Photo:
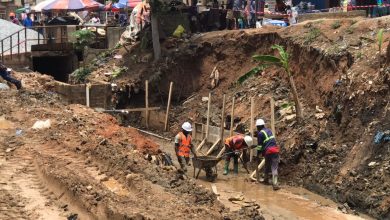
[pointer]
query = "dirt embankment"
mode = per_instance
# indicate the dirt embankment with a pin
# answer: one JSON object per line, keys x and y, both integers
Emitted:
{"x": 86, "y": 165}
{"x": 343, "y": 90}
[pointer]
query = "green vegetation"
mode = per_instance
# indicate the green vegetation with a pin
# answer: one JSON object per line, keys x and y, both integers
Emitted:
{"x": 380, "y": 43}
{"x": 312, "y": 35}
{"x": 336, "y": 24}
{"x": 84, "y": 38}
{"x": 119, "y": 71}
{"x": 281, "y": 61}
{"x": 81, "y": 74}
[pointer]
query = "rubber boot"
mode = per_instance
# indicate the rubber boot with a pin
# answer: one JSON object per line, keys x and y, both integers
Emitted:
{"x": 226, "y": 168}
{"x": 236, "y": 168}
{"x": 275, "y": 184}
{"x": 266, "y": 179}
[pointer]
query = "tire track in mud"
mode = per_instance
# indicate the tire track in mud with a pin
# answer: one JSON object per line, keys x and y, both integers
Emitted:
{"x": 22, "y": 194}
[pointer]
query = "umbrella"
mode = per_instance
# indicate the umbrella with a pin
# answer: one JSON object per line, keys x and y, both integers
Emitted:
{"x": 127, "y": 3}
{"x": 73, "y": 5}
{"x": 20, "y": 10}
{"x": 39, "y": 6}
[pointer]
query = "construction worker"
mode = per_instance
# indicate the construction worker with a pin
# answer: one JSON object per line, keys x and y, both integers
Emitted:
{"x": 183, "y": 146}
{"x": 233, "y": 146}
{"x": 270, "y": 151}
{"x": 5, "y": 73}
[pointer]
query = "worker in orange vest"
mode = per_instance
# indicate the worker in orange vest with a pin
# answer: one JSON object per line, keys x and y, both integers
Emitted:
{"x": 183, "y": 145}
{"x": 234, "y": 145}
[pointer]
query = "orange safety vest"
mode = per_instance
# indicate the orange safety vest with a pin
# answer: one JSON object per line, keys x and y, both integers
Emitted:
{"x": 235, "y": 142}
{"x": 184, "y": 147}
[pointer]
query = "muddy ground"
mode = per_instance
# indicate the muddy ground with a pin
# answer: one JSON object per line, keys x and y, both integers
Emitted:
{"x": 343, "y": 83}
{"x": 85, "y": 165}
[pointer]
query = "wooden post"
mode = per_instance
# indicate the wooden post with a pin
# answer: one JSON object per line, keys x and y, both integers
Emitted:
{"x": 272, "y": 101}
{"x": 222, "y": 120}
{"x": 147, "y": 103}
{"x": 168, "y": 106}
{"x": 208, "y": 117}
{"x": 87, "y": 87}
{"x": 232, "y": 118}
{"x": 252, "y": 152}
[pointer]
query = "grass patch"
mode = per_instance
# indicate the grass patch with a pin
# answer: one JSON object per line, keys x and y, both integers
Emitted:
{"x": 349, "y": 30}
{"x": 312, "y": 35}
{"x": 336, "y": 25}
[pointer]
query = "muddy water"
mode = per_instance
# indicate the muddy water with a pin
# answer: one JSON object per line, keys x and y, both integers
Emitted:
{"x": 288, "y": 203}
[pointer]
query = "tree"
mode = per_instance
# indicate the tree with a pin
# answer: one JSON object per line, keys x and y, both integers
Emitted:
{"x": 282, "y": 61}
{"x": 155, "y": 9}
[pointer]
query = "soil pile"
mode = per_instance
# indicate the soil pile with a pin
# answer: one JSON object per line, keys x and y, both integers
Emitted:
{"x": 340, "y": 150}
{"x": 84, "y": 164}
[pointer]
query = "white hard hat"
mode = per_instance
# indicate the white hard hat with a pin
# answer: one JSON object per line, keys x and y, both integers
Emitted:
{"x": 248, "y": 140}
{"x": 187, "y": 126}
{"x": 260, "y": 122}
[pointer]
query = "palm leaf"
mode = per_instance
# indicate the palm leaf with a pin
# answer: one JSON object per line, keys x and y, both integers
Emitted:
{"x": 252, "y": 72}
{"x": 266, "y": 58}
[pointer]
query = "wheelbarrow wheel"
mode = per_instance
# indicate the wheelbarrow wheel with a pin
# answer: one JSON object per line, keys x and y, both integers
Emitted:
{"x": 210, "y": 175}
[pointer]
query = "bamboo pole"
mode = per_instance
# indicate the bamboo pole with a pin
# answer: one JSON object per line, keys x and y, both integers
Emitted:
{"x": 232, "y": 118}
{"x": 147, "y": 103}
{"x": 272, "y": 102}
{"x": 168, "y": 106}
{"x": 208, "y": 117}
{"x": 222, "y": 119}
{"x": 252, "y": 151}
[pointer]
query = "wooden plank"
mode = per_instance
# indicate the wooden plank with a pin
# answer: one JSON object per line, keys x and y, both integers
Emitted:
{"x": 147, "y": 103}
{"x": 201, "y": 144}
{"x": 222, "y": 119}
{"x": 272, "y": 102}
{"x": 168, "y": 106}
{"x": 214, "y": 188}
{"x": 208, "y": 117}
{"x": 213, "y": 147}
{"x": 262, "y": 163}
{"x": 221, "y": 152}
{"x": 252, "y": 125}
{"x": 128, "y": 110}
{"x": 232, "y": 118}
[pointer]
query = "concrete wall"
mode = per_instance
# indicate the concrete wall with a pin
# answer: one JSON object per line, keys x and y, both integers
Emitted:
{"x": 100, "y": 94}
{"x": 335, "y": 15}
{"x": 114, "y": 35}
{"x": 18, "y": 61}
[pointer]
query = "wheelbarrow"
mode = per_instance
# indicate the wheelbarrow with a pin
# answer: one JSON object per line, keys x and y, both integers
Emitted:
{"x": 208, "y": 164}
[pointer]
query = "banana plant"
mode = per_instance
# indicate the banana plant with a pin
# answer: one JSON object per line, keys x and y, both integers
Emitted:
{"x": 283, "y": 62}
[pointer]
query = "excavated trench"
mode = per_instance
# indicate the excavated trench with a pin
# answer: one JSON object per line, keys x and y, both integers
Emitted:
{"x": 315, "y": 74}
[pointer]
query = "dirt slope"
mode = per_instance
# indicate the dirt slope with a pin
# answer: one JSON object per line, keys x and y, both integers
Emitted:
{"x": 86, "y": 165}
{"x": 343, "y": 90}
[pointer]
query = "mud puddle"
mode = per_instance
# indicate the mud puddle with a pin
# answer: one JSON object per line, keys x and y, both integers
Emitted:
{"x": 288, "y": 203}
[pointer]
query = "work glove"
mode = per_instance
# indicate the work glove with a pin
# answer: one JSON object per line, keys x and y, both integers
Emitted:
{"x": 237, "y": 153}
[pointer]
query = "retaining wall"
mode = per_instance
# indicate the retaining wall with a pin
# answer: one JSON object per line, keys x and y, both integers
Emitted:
{"x": 99, "y": 94}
